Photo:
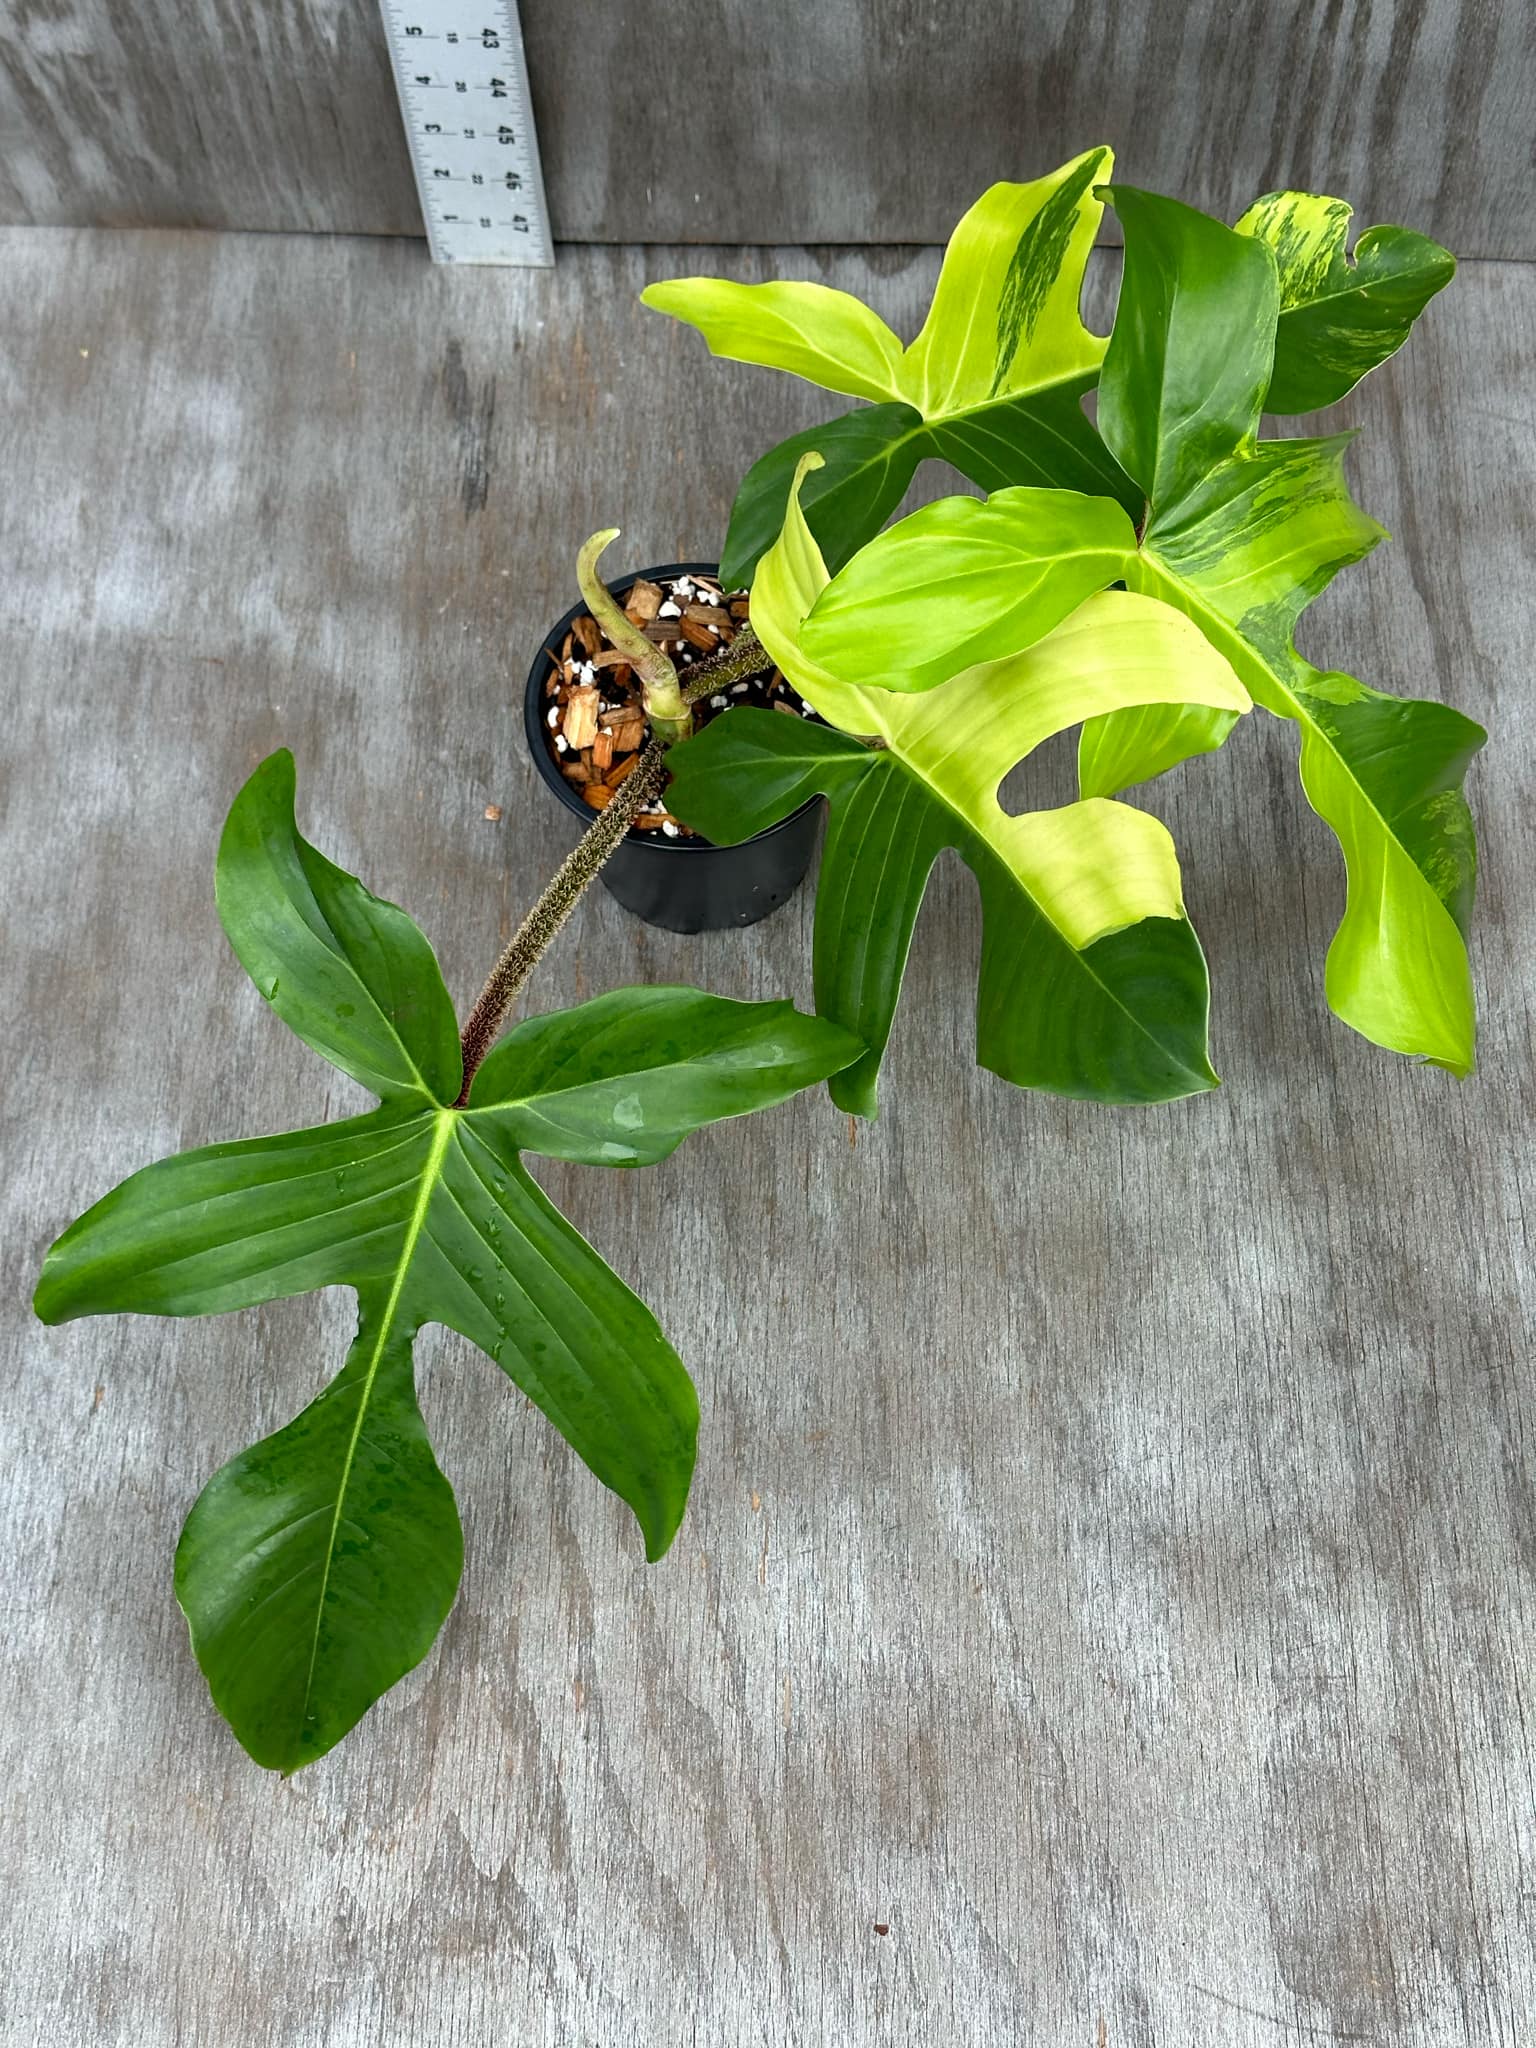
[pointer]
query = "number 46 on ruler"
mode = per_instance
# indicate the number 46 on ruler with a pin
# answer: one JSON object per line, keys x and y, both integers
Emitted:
{"x": 463, "y": 87}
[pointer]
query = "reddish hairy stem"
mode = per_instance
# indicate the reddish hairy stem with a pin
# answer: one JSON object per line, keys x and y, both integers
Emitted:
{"x": 597, "y": 845}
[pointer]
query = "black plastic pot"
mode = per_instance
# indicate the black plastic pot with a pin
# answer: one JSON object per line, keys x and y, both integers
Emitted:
{"x": 683, "y": 885}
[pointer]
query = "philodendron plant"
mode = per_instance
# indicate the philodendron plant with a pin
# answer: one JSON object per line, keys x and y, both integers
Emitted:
{"x": 317, "y": 1567}
{"x": 1136, "y": 577}
{"x": 1141, "y": 565}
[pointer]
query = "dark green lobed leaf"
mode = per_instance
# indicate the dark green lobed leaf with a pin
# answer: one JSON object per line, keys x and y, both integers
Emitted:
{"x": 870, "y": 456}
{"x": 347, "y": 972}
{"x": 317, "y": 1566}
{"x": 868, "y": 460}
{"x": 1192, "y": 349}
{"x": 1038, "y": 437}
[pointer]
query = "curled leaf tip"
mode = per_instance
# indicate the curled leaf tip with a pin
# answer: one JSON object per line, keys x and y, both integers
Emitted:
{"x": 588, "y": 555}
{"x": 669, "y": 716}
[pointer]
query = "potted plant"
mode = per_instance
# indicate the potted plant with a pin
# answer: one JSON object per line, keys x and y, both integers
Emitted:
{"x": 1172, "y": 495}
{"x": 1137, "y": 576}
{"x": 589, "y": 706}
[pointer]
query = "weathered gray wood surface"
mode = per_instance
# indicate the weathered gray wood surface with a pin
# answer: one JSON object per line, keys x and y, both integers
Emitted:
{"x": 1111, "y": 1557}
{"x": 850, "y": 121}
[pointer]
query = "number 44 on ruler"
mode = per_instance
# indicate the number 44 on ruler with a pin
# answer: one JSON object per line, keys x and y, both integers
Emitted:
{"x": 463, "y": 89}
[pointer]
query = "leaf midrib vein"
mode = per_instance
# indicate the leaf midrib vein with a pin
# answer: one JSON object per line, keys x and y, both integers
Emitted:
{"x": 442, "y": 1137}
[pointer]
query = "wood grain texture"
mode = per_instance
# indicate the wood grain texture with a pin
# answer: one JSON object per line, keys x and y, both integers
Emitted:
{"x": 721, "y": 121}
{"x": 1111, "y": 1559}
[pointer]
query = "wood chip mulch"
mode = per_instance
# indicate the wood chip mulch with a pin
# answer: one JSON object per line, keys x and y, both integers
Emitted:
{"x": 594, "y": 720}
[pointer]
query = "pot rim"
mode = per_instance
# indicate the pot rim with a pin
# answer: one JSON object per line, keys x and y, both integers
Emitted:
{"x": 533, "y": 731}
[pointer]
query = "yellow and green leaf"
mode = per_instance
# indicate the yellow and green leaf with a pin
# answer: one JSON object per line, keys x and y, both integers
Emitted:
{"x": 1092, "y": 982}
{"x": 1340, "y": 316}
{"x": 1004, "y": 316}
{"x": 828, "y": 337}
{"x": 993, "y": 382}
{"x": 1241, "y": 535}
{"x": 962, "y": 582}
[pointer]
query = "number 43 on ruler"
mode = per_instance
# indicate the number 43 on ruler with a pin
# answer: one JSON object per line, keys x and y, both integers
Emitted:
{"x": 463, "y": 87}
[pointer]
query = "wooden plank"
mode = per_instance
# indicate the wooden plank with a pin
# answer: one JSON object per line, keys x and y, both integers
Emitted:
{"x": 853, "y": 121}
{"x": 1110, "y": 1566}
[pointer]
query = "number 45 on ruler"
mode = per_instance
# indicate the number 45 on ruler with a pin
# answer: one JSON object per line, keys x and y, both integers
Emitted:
{"x": 463, "y": 86}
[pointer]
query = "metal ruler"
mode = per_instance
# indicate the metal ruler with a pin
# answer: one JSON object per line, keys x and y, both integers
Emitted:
{"x": 463, "y": 89}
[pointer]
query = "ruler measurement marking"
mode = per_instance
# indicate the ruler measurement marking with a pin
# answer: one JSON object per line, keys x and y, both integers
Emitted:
{"x": 488, "y": 159}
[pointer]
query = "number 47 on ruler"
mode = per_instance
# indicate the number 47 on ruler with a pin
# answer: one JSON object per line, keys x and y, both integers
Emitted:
{"x": 463, "y": 86}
